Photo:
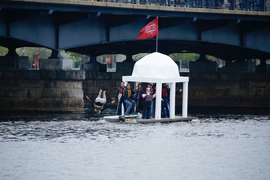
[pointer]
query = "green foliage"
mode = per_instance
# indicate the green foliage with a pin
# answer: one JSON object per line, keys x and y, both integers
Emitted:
{"x": 137, "y": 57}
{"x": 185, "y": 56}
{"x": 175, "y": 56}
{"x": 102, "y": 58}
{"x": 3, "y": 51}
{"x": 30, "y": 51}
{"x": 211, "y": 58}
{"x": 77, "y": 58}
{"x": 115, "y": 57}
{"x": 43, "y": 52}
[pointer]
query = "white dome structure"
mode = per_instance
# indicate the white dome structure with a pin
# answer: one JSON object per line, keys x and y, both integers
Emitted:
{"x": 159, "y": 68}
{"x": 155, "y": 65}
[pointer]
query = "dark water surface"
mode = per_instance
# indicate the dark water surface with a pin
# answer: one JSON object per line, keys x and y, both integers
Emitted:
{"x": 83, "y": 146}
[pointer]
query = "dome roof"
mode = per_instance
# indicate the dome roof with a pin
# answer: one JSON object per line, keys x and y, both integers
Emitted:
{"x": 155, "y": 65}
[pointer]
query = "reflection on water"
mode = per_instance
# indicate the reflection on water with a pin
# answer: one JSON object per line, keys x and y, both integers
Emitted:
{"x": 83, "y": 146}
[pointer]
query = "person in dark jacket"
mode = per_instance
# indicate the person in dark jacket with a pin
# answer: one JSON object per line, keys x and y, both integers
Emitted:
{"x": 148, "y": 98}
{"x": 127, "y": 99}
{"x": 119, "y": 96}
{"x": 136, "y": 97}
{"x": 165, "y": 101}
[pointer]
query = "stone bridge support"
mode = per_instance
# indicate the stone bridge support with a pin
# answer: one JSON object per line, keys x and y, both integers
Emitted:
{"x": 49, "y": 89}
{"x": 41, "y": 90}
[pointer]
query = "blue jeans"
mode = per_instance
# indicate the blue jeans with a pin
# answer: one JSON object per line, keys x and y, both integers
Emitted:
{"x": 134, "y": 108}
{"x": 165, "y": 108}
{"x": 137, "y": 106}
{"x": 119, "y": 110}
{"x": 128, "y": 106}
{"x": 151, "y": 109}
{"x": 146, "y": 109}
{"x": 153, "y": 105}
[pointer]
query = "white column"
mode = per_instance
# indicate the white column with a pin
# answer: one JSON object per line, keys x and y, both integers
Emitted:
{"x": 122, "y": 110}
{"x": 158, "y": 101}
{"x": 185, "y": 99}
{"x": 172, "y": 100}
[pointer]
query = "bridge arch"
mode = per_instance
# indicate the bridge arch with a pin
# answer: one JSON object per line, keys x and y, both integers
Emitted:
{"x": 95, "y": 29}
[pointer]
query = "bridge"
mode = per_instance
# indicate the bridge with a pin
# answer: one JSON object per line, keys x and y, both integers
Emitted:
{"x": 95, "y": 28}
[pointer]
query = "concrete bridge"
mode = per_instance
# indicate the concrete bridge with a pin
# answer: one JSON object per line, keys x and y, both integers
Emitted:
{"x": 95, "y": 28}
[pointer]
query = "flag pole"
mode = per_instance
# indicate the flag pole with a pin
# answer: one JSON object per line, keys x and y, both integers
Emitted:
{"x": 157, "y": 40}
{"x": 157, "y": 43}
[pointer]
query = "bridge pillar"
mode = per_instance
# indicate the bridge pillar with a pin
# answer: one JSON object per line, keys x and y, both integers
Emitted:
{"x": 13, "y": 61}
{"x": 202, "y": 57}
{"x": 55, "y": 54}
{"x": 202, "y": 65}
{"x": 262, "y": 67}
{"x": 127, "y": 65}
{"x": 44, "y": 90}
{"x": 11, "y": 52}
{"x": 93, "y": 65}
{"x": 129, "y": 58}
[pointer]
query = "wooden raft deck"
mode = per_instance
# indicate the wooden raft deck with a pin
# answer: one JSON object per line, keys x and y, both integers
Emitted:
{"x": 139, "y": 120}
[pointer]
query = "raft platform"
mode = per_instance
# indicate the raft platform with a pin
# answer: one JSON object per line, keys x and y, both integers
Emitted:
{"x": 136, "y": 119}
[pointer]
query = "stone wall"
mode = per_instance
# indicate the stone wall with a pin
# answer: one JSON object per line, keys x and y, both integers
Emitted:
{"x": 64, "y": 91}
{"x": 40, "y": 90}
{"x": 109, "y": 81}
{"x": 14, "y": 62}
{"x": 205, "y": 89}
{"x": 229, "y": 90}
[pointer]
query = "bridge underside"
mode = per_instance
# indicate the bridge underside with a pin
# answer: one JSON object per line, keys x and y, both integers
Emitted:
{"x": 96, "y": 32}
{"x": 225, "y": 52}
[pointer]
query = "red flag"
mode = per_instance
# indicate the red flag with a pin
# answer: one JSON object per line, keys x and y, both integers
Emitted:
{"x": 150, "y": 30}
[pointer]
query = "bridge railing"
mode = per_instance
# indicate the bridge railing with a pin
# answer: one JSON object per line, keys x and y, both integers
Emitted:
{"x": 259, "y": 5}
{"x": 249, "y": 7}
{"x": 245, "y": 5}
{"x": 182, "y": 6}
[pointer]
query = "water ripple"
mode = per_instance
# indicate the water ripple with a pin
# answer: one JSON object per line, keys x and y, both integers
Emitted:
{"x": 23, "y": 128}
{"x": 222, "y": 146}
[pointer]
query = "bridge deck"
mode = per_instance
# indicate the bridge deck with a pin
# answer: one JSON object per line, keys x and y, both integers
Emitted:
{"x": 95, "y": 28}
{"x": 148, "y": 7}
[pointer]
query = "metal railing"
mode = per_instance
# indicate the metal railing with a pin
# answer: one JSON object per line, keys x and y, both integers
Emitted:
{"x": 243, "y": 7}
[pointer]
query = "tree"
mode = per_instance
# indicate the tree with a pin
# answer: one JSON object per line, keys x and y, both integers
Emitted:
{"x": 184, "y": 56}
{"x": 76, "y": 58}
{"x": 137, "y": 57}
{"x": 44, "y": 53}
{"x": 3, "y": 51}
{"x": 211, "y": 58}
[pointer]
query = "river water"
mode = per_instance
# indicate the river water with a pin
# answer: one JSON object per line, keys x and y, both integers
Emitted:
{"x": 85, "y": 147}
